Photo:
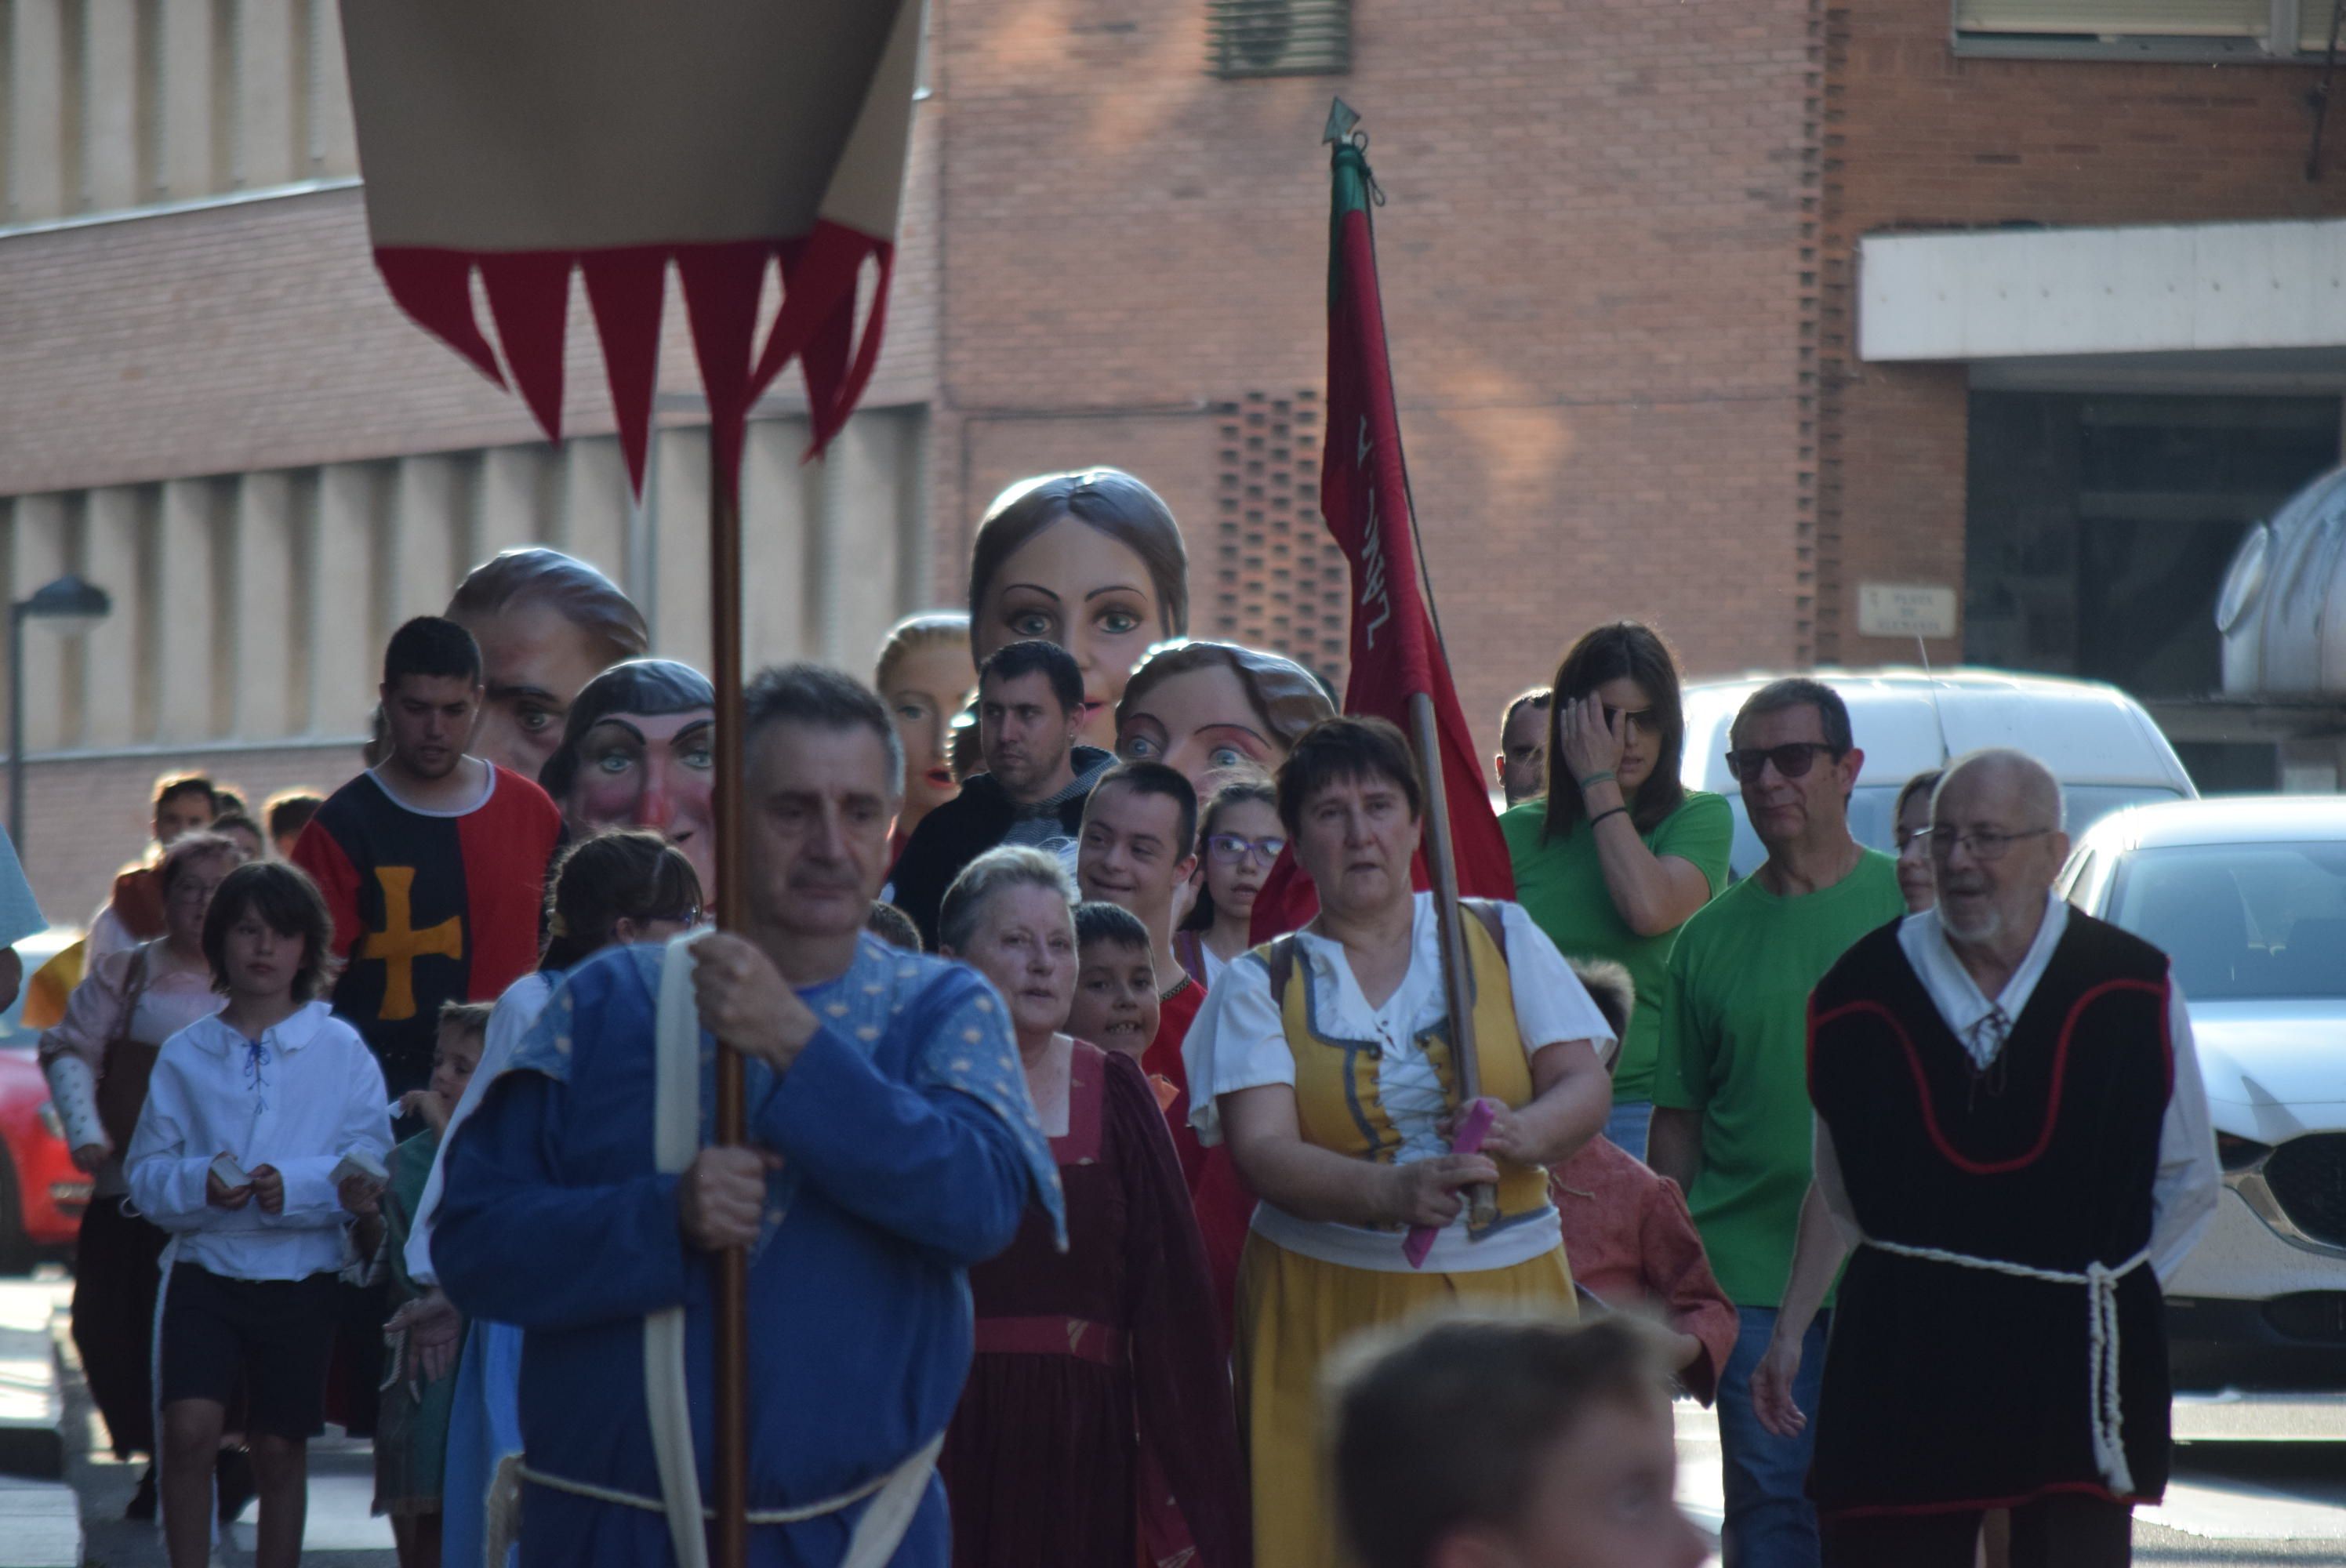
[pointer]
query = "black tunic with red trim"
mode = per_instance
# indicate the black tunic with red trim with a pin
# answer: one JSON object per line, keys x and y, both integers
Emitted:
{"x": 1948, "y": 1386}
{"x": 427, "y": 908}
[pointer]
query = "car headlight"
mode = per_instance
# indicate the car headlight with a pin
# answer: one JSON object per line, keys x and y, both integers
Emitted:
{"x": 2238, "y": 1154}
{"x": 51, "y": 1122}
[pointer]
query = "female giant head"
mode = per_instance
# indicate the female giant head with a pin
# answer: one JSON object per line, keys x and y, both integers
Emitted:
{"x": 1092, "y": 561}
{"x": 639, "y": 752}
{"x": 1203, "y": 709}
{"x": 924, "y": 676}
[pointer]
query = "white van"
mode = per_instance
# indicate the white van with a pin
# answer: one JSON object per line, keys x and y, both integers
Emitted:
{"x": 2098, "y": 740}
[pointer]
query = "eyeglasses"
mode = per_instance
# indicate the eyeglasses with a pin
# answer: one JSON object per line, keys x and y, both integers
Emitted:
{"x": 688, "y": 920}
{"x": 1230, "y": 849}
{"x": 1641, "y": 718}
{"x": 1793, "y": 759}
{"x": 1983, "y": 844}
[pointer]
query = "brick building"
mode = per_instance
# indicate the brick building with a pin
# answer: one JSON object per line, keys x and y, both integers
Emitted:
{"x": 1623, "y": 254}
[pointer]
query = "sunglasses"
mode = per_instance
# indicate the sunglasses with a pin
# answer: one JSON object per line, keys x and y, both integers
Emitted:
{"x": 1793, "y": 759}
{"x": 1230, "y": 849}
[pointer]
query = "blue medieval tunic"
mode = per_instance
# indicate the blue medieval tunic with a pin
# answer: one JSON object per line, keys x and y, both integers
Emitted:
{"x": 910, "y": 1150}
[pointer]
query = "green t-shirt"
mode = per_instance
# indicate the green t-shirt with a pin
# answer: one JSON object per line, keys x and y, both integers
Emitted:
{"x": 1562, "y": 887}
{"x": 1735, "y": 1046}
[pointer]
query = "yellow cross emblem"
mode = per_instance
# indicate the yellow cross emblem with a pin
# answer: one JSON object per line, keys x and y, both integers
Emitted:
{"x": 399, "y": 944}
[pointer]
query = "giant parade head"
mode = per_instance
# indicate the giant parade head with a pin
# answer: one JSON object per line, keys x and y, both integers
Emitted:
{"x": 640, "y": 751}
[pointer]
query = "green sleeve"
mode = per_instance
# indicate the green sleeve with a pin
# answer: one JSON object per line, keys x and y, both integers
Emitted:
{"x": 1701, "y": 833}
{"x": 1682, "y": 1061}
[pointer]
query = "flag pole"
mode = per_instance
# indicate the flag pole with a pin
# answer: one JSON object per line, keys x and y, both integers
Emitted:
{"x": 1457, "y": 968}
{"x": 732, "y": 1357}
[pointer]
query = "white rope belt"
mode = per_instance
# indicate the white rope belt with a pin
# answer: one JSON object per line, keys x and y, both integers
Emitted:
{"x": 798, "y": 1515}
{"x": 2101, "y": 1283}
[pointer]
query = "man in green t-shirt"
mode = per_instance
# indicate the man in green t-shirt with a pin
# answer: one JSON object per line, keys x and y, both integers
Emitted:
{"x": 1732, "y": 1123}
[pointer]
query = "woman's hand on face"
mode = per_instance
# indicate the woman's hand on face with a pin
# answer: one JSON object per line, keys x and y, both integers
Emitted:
{"x": 1427, "y": 1192}
{"x": 1589, "y": 744}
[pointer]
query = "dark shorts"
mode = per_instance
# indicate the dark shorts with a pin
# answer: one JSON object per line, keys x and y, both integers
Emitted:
{"x": 268, "y": 1339}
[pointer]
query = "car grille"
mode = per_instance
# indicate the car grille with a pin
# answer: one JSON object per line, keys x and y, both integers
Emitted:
{"x": 2317, "y": 1315}
{"x": 2307, "y": 1178}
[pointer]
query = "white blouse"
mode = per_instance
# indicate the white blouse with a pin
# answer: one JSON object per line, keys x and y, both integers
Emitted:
{"x": 1239, "y": 1042}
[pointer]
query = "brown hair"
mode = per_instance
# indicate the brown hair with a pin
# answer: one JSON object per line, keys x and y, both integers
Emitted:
{"x": 290, "y": 810}
{"x": 1246, "y": 787}
{"x": 912, "y": 634}
{"x": 1443, "y": 1426}
{"x": 189, "y": 848}
{"x": 281, "y": 897}
{"x": 171, "y": 785}
{"x": 535, "y": 575}
{"x": 466, "y": 1017}
{"x": 1288, "y": 698}
{"x": 1611, "y": 652}
{"x": 1108, "y": 500}
{"x": 1922, "y": 783}
{"x": 1166, "y": 783}
{"x": 621, "y": 873}
{"x": 1342, "y": 750}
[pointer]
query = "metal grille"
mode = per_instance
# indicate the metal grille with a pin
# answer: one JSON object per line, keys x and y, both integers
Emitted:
{"x": 1279, "y": 581}
{"x": 1279, "y": 37}
{"x": 2307, "y": 1178}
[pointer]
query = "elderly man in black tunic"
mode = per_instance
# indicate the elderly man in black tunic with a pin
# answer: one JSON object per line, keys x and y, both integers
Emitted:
{"x": 2012, "y": 1136}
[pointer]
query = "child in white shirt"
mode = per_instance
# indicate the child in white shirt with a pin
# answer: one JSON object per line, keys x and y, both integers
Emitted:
{"x": 248, "y": 1116}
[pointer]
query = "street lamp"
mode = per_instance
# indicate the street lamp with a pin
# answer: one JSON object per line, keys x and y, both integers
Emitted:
{"x": 73, "y": 603}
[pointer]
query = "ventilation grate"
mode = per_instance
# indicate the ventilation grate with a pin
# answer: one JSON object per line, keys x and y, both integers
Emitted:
{"x": 1279, "y": 37}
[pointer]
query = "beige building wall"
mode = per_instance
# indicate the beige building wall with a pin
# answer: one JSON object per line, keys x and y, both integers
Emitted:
{"x": 251, "y": 610}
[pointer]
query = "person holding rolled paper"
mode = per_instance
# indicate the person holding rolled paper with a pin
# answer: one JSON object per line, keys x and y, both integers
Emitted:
{"x": 1323, "y": 1059}
{"x": 259, "y": 1124}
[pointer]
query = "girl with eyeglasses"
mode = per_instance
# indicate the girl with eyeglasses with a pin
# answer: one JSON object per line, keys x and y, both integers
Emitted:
{"x": 1239, "y": 837}
{"x": 1617, "y": 853}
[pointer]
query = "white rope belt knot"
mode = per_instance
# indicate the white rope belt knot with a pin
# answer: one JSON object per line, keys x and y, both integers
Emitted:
{"x": 2101, "y": 1282}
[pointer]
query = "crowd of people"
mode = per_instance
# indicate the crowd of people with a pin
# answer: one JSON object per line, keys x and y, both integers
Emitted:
{"x": 1097, "y": 1212}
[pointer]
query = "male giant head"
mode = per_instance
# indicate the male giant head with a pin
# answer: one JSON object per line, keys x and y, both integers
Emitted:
{"x": 639, "y": 752}
{"x": 547, "y": 623}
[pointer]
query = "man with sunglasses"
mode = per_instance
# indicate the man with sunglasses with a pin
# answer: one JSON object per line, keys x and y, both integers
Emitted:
{"x": 2011, "y": 1129}
{"x": 1732, "y": 1124}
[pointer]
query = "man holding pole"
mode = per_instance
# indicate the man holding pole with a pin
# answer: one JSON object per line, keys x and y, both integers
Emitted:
{"x": 1326, "y": 1060}
{"x": 890, "y": 1143}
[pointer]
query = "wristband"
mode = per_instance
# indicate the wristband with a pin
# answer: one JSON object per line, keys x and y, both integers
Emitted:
{"x": 1604, "y": 776}
{"x": 1616, "y": 811}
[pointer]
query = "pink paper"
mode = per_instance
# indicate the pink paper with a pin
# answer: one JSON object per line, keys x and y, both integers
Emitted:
{"x": 1468, "y": 1140}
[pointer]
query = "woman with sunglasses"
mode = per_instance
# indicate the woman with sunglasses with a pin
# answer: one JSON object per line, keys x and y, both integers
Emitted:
{"x": 1241, "y": 837}
{"x": 1619, "y": 852}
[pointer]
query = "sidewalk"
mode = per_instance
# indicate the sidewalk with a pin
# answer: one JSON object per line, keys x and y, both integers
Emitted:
{"x": 40, "y": 1523}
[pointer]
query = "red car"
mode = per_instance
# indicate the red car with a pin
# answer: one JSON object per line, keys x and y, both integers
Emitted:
{"x": 42, "y": 1193}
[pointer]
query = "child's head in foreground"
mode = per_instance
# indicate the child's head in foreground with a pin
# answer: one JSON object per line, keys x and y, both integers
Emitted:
{"x": 1467, "y": 1441}
{"x": 1116, "y": 980}
{"x": 268, "y": 932}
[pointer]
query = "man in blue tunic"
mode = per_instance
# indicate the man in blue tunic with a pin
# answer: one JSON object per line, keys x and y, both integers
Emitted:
{"x": 894, "y": 1145}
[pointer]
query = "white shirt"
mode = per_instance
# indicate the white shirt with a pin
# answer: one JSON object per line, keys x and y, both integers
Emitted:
{"x": 516, "y": 1011}
{"x": 304, "y": 1094}
{"x": 1239, "y": 1042}
{"x": 2183, "y": 1192}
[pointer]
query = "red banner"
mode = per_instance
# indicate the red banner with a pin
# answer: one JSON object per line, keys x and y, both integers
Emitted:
{"x": 1364, "y": 496}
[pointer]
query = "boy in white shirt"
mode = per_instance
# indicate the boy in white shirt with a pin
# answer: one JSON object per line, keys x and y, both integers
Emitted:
{"x": 248, "y": 1116}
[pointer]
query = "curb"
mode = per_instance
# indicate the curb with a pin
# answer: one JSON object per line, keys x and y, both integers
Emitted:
{"x": 32, "y": 1398}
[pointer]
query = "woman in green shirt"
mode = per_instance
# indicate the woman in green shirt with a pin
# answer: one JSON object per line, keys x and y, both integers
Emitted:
{"x": 1612, "y": 861}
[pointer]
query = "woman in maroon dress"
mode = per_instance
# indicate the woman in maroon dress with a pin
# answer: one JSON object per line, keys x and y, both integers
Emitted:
{"x": 1096, "y": 1430}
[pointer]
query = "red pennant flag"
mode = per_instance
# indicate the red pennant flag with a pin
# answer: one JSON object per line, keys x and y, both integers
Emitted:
{"x": 1364, "y": 496}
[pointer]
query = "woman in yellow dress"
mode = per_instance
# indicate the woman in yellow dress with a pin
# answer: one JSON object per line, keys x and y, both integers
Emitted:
{"x": 1328, "y": 1054}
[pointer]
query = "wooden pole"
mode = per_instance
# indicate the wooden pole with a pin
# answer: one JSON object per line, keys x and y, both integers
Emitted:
{"x": 1457, "y": 969}
{"x": 731, "y": 1359}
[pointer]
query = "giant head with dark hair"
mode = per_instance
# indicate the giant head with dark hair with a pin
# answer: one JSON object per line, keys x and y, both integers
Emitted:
{"x": 1091, "y": 560}
{"x": 639, "y": 752}
{"x": 546, "y": 622}
{"x": 1205, "y": 707}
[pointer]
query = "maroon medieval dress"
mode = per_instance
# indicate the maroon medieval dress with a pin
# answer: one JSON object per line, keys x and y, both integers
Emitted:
{"x": 1097, "y": 1429}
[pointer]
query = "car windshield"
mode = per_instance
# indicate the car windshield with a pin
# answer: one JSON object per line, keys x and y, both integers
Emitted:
{"x": 2241, "y": 921}
{"x": 1871, "y": 808}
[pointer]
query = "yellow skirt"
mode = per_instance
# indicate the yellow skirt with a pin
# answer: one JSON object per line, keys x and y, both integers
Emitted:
{"x": 1294, "y": 1312}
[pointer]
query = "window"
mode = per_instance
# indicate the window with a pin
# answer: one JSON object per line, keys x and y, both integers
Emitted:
{"x": 1279, "y": 37}
{"x": 2173, "y": 29}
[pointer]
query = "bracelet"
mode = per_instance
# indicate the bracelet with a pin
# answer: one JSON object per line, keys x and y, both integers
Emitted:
{"x": 1604, "y": 776}
{"x": 1616, "y": 811}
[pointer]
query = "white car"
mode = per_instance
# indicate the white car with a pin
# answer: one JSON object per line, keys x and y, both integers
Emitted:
{"x": 2099, "y": 743}
{"x": 2247, "y": 895}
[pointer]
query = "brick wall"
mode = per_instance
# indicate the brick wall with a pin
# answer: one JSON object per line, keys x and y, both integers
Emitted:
{"x": 1920, "y": 139}
{"x": 1590, "y": 262}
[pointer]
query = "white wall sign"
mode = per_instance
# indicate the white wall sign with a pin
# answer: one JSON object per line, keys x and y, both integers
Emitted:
{"x": 1905, "y": 610}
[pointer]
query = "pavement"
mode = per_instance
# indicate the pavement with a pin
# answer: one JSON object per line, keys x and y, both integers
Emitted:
{"x": 2259, "y": 1482}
